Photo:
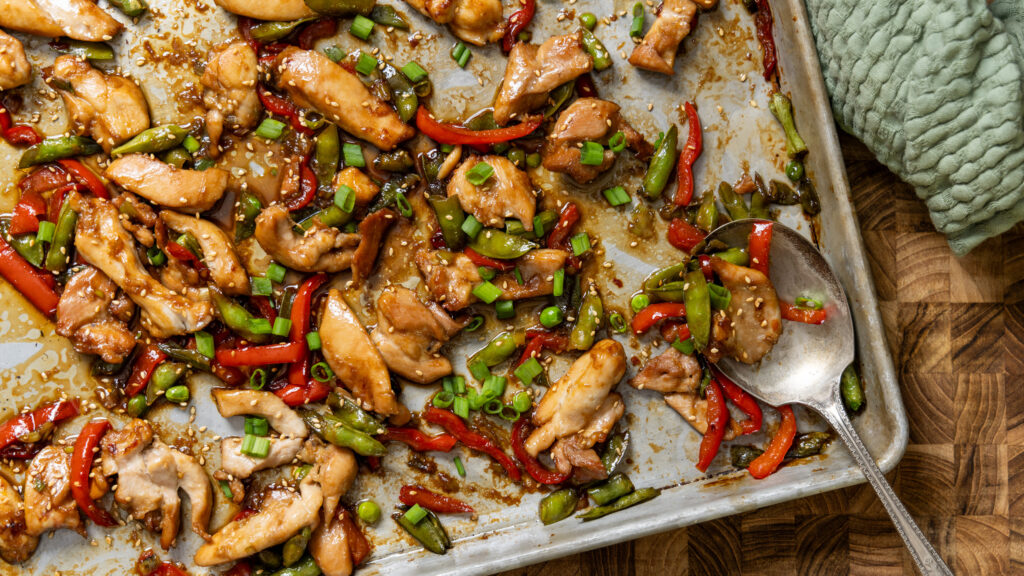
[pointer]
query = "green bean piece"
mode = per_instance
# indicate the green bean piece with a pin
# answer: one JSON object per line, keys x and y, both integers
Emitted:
{"x": 759, "y": 205}
{"x": 808, "y": 196}
{"x": 246, "y": 211}
{"x": 588, "y": 320}
{"x": 429, "y": 532}
{"x": 386, "y": 15}
{"x": 333, "y": 430}
{"x": 698, "y": 308}
{"x": 270, "y": 558}
{"x": 87, "y": 50}
{"x": 497, "y": 244}
{"x": 707, "y": 214}
{"x": 152, "y": 141}
{"x": 356, "y": 418}
{"x": 325, "y": 156}
{"x": 305, "y": 567}
{"x": 615, "y": 451}
{"x": 499, "y": 349}
{"x": 558, "y": 505}
{"x": 274, "y": 31}
{"x": 403, "y": 93}
{"x": 191, "y": 357}
{"x": 851, "y": 389}
{"x": 596, "y": 49}
{"x": 558, "y": 97}
{"x": 737, "y": 256}
{"x": 662, "y": 163}
{"x": 63, "y": 239}
{"x": 782, "y": 109}
{"x": 295, "y": 546}
{"x": 56, "y": 148}
{"x": 341, "y": 7}
{"x": 164, "y": 377}
{"x": 742, "y": 456}
{"x": 176, "y": 157}
{"x": 450, "y": 217}
{"x": 131, "y": 8}
{"x": 395, "y": 161}
{"x": 808, "y": 444}
{"x": 631, "y": 499}
{"x": 236, "y": 317}
{"x": 615, "y": 487}
{"x": 732, "y": 201}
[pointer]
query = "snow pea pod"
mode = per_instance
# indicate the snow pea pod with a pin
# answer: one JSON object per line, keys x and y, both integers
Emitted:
{"x": 782, "y": 109}
{"x": 305, "y": 567}
{"x": 355, "y": 417}
{"x": 558, "y": 505}
{"x": 429, "y": 532}
{"x": 274, "y": 31}
{"x": 450, "y": 217}
{"x": 325, "y": 156}
{"x": 131, "y": 8}
{"x": 732, "y": 201}
{"x": 499, "y": 349}
{"x": 63, "y": 239}
{"x": 611, "y": 489}
{"x": 707, "y": 215}
{"x": 588, "y": 320}
{"x": 852, "y": 391}
{"x": 402, "y": 91}
{"x": 152, "y": 141}
{"x": 56, "y": 148}
{"x": 87, "y": 50}
{"x": 341, "y": 7}
{"x": 387, "y": 16}
{"x": 698, "y": 308}
{"x": 497, "y": 244}
{"x": 333, "y": 429}
{"x": 632, "y": 499}
{"x": 247, "y": 210}
{"x": 596, "y": 49}
{"x": 236, "y": 317}
{"x": 661, "y": 165}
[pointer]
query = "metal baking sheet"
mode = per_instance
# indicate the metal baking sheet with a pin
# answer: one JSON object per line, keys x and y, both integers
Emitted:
{"x": 720, "y": 70}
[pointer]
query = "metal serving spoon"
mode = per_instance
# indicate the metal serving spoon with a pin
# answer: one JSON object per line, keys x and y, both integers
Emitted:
{"x": 805, "y": 365}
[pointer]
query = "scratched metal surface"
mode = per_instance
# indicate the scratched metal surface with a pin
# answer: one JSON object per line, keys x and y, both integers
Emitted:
{"x": 719, "y": 69}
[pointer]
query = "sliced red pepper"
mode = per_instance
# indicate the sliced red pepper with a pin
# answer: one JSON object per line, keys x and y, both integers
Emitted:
{"x": 418, "y": 440}
{"x": 760, "y": 246}
{"x": 672, "y": 331}
{"x": 17, "y": 134}
{"x": 34, "y": 284}
{"x": 142, "y": 370}
{"x": 281, "y": 107}
{"x": 261, "y": 355}
{"x": 765, "y": 464}
{"x": 518, "y": 22}
{"x": 585, "y": 87}
{"x": 307, "y": 188}
{"x": 358, "y": 546}
{"x": 179, "y": 252}
{"x": 454, "y": 134}
{"x": 718, "y": 420}
{"x": 241, "y": 568}
{"x": 86, "y": 177}
{"x": 534, "y": 468}
{"x": 81, "y": 466}
{"x": 22, "y": 450}
{"x": 413, "y": 494}
{"x": 800, "y": 314}
{"x": 245, "y": 25}
{"x": 43, "y": 178}
{"x": 168, "y": 569}
{"x": 27, "y": 212}
{"x": 312, "y": 391}
{"x": 745, "y": 402}
{"x": 322, "y": 28}
{"x": 266, "y": 309}
{"x": 481, "y": 260}
{"x": 302, "y": 306}
{"x": 56, "y": 201}
{"x": 456, "y": 427}
{"x": 24, "y": 424}
{"x": 645, "y": 319}
{"x": 705, "y": 266}
{"x": 683, "y": 235}
{"x": 694, "y": 145}
{"x": 763, "y": 22}
{"x": 567, "y": 218}
{"x": 536, "y": 342}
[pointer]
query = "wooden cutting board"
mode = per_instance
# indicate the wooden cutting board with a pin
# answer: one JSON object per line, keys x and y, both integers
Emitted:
{"x": 956, "y": 331}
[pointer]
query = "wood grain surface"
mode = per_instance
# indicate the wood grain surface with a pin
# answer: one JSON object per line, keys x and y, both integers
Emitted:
{"x": 956, "y": 331}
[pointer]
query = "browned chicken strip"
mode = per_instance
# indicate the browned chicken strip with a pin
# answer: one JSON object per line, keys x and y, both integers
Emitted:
{"x": 364, "y": 188}
{"x": 752, "y": 324}
{"x": 576, "y": 452}
{"x": 475, "y": 21}
{"x": 409, "y": 335}
{"x": 279, "y": 415}
{"x": 109, "y": 108}
{"x": 226, "y": 269}
{"x": 506, "y": 194}
{"x": 48, "y": 501}
{"x": 330, "y": 548}
{"x": 588, "y": 120}
{"x": 533, "y": 71}
{"x": 167, "y": 185}
{"x": 92, "y": 315}
{"x": 537, "y": 268}
{"x": 313, "y": 81}
{"x": 16, "y": 544}
{"x": 336, "y": 470}
{"x": 657, "y": 51}
{"x": 77, "y": 19}
{"x": 241, "y": 466}
{"x": 450, "y": 277}
{"x": 229, "y": 89}
{"x": 321, "y": 249}
{"x": 268, "y": 9}
{"x": 15, "y": 69}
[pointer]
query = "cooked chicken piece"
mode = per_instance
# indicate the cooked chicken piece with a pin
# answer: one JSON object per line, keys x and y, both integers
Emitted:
{"x": 258, "y": 403}
{"x": 353, "y": 357}
{"x": 371, "y": 233}
{"x": 577, "y": 451}
{"x": 313, "y": 81}
{"x": 232, "y": 461}
{"x": 576, "y": 398}
{"x": 109, "y": 108}
{"x": 15, "y": 69}
{"x": 76, "y": 19}
{"x": 48, "y": 501}
{"x": 364, "y": 188}
{"x": 450, "y": 277}
{"x": 587, "y": 120}
{"x": 506, "y": 194}
{"x": 226, "y": 269}
{"x": 149, "y": 475}
{"x": 268, "y": 9}
{"x": 84, "y": 316}
{"x": 409, "y": 335}
{"x": 137, "y": 217}
{"x": 167, "y": 185}
{"x": 102, "y": 242}
{"x": 321, "y": 249}
{"x": 16, "y": 544}
{"x": 753, "y": 323}
{"x": 537, "y": 268}
{"x": 234, "y": 484}
{"x": 330, "y": 548}
{"x": 475, "y": 21}
{"x": 533, "y": 71}
{"x": 259, "y": 166}
{"x": 336, "y": 470}
{"x": 282, "y": 514}
{"x": 657, "y": 51}
{"x": 229, "y": 89}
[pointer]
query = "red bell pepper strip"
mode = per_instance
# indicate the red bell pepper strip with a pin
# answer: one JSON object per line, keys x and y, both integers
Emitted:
{"x": 34, "y": 284}
{"x": 694, "y": 145}
{"x": 24, "y": 424}
{"x": 454, "y": 134}
{"x": 765, "y": 464}
{"x": 281, "y": 107}
{"x": 307, "y": 188}
{"x": 322, "y": 28}
{"x": 56, "y": 201}
{"x": 142, "y": 370}
{"x": 245, "y": 25}
{"x": 799, "y": 314}
{"x": 43, "y": 178}
{"x": 86, "y": 177}
{"x": 456, "y": 427}
{"x": 81, "y": 467}
{"x": 266, "y": 309}
{"x": 22, "y": 450}
{"x": 312, "y": 391}
{"x": 718, "y": 420}
{"x": 683, "y": 235}
{"x": 585, "y": 86}
{"x": 261, "y": 355}
{"x": 358, "y": 546}
{"x": 481, "y": 260}
{"x": 645, "y": 319}
{"x": 540, "y": 341}
{"x": 418, "y": 440}
{"x": 17, "y": 134}
{"x": 518, "y": 22}
{"x": 414, "y": 494}
{"x": 745, "y": 402}
{"x": 705, "y": 266}
{"x": 179, "y": 252}
{"x": 167, "y": 569}
{"x": 567, "y": 218}
{"x": 763, "y": 22}
{"x": 27, "y": 212}
{"x": 302, "y": 306}
{"x": 672, "y": 330}
{"x": 534, "y": 468}
{"x": 760, "y": 246}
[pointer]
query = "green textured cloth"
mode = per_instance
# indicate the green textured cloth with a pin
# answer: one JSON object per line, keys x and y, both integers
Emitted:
{"x": 935, "y": 88}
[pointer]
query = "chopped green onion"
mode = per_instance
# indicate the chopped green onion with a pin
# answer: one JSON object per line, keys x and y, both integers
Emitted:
{"x": 509, "y": 414}
{"x": 203, "y": 164}
{"x": 617, "y": 196}
{"x": 258, "y": 379}
{"x": 361, "y": 27}
{"x": 46, "y": 230}
{"x": 313, "y": 340}
{"x": 461, "y": 407}
{"x": 270, "y": 129}
{"x": 617, "y": 143}
{"x": 591, "y": 154}
{"x": 636, "y": 28}
{"x": 479, "y": 174}
{"x": 487, "y": 292}
{"x": 255, "y": 446}
{"x": 461, "y": 54}
{"x": 460, "y": 384}
{"x": 448, "y": 384}
{"x": 156, "y": 256}
{"x": 809, "y": 303}
{"x": 617, "y": 322}
{"x": 720, "y": 296}
{"x": 551, "y": 316}
{"x": 334, "y": 53}
{"x": 191, "y": 144}
{"x": 225, "y": 489}
{"x": 538, "y": 226}
{"x": 580, "y": 244}
{"x": 459, "y": 467}
{"x": 353, "y": 155}
{"x": 639, "y": 302}
{"x": 345, "y": 198}
{"x": 559, "y": 283}
{"x": 519, "y": 276}
{"x": 260, "y": 326}
{"x": 522, "y": 401}
{"x": 494, "y": 387}
{"x": 505, "y": 309}
{"x": 471, "y": 226}
{"x": 282, "y": 326}
{"x": 486, "y": 273}
{"x": 415, "y": 514}
{"x": 402, "y": 203}
{"x": 366, "y": 64}
{"x": 261, "y": 286}
{"x": 300, "y": 472}
{"x": 276, "y": 272}
{"x": 443, "y": 399}
{"x": 474, "y": 324}
{"x": 479, "y": 370}
{"x": 527, "y": 371}
{"x": 256, "y": 426}
{"x": 493, "y": 406}
{"x": 476, "y": 401}
{"x": 321, "y": 372}
{"x": 414, "y": 72}
{"x": 685, "y": 346}
{"x": 204, "y": 343}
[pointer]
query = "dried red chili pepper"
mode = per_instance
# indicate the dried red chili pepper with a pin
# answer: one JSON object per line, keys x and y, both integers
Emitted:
{"x": 413, "y": 494}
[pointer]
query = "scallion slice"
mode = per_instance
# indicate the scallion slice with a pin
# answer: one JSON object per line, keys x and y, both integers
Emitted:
{"x": 487, "y": 292}
{"x": 366, "y": 64}
{"x": 282, "y": 326}
{"x": 270, "y": 129}
{"x": 345, "y": 198}
{"x": 414, "y": 72}
{"x": 591, "y": 154}
{"x": 353, "y": 155}
{"x": 204, "y": 344}
{"x": 361, "y": 27}
{"x": 478, "y": 175}
{"x": 617, "y": 196}
{"x": 471, "y": 226}
{"x": 313, "y": 340}
{"x": 580, "y": 244}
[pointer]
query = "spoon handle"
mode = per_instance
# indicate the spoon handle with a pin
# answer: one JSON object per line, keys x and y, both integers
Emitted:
{"x": 927, "y": 559}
